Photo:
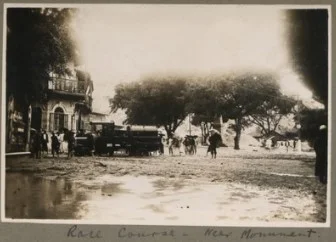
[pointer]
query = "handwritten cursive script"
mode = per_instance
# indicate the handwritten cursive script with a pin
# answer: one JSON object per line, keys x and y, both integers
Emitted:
{"x": 75, "y": 232}
{"x": 247, "y": 234}
{"x": 124, "y": 233}
{"x": 250, "y": 234}
{"x": 216, "y": 233}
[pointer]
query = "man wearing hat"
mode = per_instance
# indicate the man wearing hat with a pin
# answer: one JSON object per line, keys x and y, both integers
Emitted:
{"x": 321, "y": 150}
{"x": 214, "y": 140}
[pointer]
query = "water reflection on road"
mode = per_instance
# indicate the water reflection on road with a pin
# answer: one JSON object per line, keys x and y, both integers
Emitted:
{"x": 31, "y": 197}
{"x": 150, "y": 200}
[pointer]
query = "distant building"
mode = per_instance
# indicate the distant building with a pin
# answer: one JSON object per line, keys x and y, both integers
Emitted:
{"x": 275, "y": 139}
{"x": 97, "y": 117}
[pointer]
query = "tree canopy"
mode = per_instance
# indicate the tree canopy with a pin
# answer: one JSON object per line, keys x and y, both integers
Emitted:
{"x": 153, "y": 101}
{"x": 39, "y": 42}
{"x": 269, "y": 114}
{"x": 166, "y": 101}
{"x": 243, "y": 97}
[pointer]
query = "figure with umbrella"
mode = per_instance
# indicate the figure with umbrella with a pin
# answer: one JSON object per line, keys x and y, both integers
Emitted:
{"x": 214, "y": 141}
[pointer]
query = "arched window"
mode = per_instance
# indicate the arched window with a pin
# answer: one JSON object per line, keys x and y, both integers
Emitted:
{"x": 58, "y": 120}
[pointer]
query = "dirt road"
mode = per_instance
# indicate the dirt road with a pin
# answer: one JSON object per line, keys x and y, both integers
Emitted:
{"x": 281, "y": 185}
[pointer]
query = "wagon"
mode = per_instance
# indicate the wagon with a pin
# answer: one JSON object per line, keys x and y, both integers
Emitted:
{"x": 108, "y": 138}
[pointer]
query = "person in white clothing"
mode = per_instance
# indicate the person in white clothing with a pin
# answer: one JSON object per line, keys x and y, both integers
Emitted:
{"x": 61, "y": 141}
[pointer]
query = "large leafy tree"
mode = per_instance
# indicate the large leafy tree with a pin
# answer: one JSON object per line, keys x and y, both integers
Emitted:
{"x": 39, "y": 42}
{"x": 246, "y": 93}
{"x": 203, "y": 104}
{"x": 159, "y": 101}
{"x": 236, "y": 96}
{"x": 268, "y": 115}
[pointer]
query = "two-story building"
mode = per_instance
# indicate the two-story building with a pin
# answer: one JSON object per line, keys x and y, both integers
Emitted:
{"x": 67, "y": 106}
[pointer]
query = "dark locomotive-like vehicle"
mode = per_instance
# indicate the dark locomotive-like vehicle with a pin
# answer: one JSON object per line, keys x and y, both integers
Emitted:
{"x": 106, "y": 138}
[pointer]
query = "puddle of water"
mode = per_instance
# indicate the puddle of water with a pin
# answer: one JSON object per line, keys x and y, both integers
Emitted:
{"x": 27, "y": 196}
{"x": 149, "y": 200}
{"x": 191, "y": 204}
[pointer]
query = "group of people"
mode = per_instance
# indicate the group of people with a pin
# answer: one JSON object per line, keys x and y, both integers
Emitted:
{"x": 190, "y": 145}
{"x": 61, "y": 142}
{"x": 175, "y": 142}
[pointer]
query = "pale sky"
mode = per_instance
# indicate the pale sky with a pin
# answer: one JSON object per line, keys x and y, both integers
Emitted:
{"x": 122, "y": 43}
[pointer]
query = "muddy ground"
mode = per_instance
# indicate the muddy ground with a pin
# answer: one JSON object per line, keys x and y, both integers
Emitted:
{"x": 282, "y": 178}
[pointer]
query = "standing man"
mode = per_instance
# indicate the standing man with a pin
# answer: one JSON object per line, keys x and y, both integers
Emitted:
{"x": 54, "y": 145}
{"x": 170, "y": 144}
{"x": 321, "y": 150}
{"x": 161, "y": 148}
{"x": 61, "y": 141}
{"x": 214, "y": 141}
{"x": 45, "y": 141}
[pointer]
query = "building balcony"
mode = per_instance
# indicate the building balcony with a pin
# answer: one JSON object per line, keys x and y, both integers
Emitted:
{"x": 72, "y": 89}
{"x": 67, "y": 86}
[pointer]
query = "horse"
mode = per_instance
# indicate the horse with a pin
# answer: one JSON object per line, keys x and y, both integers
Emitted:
{"x": 189, "y": 145}
{"x": 174, "y": 143}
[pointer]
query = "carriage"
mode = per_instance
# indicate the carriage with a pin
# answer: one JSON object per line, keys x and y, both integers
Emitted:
{"x": 106, "y": 138}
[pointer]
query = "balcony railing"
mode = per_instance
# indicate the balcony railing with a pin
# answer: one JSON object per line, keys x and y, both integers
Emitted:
{"x": 67, "y": 85}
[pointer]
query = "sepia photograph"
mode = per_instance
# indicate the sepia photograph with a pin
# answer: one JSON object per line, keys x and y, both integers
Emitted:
{"x": 166, "y": 114}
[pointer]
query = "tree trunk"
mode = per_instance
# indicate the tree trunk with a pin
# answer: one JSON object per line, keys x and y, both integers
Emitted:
{"x": 168, "y": 131}
{"x": 238, "y": 133}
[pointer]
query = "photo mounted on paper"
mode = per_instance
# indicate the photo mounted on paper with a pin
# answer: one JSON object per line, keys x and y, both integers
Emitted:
{"x": 146, "y": 114}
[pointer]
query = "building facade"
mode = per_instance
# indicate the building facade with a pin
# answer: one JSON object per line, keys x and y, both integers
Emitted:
{"x": 68, "y": 104}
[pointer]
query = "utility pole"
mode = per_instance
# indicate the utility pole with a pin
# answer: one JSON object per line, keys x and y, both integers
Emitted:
{"x": 28, "y": 128}
{"x": 189, "y": 124}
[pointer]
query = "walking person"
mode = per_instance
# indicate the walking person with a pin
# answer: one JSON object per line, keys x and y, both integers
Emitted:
{"x": 61, "y": 141}
{"x": 54, "y": 145}
{"x": 65, "y": 140}
{"x": 287, "y": 145}
{"x": 45, "y": 141}
{"x": 185, "y": 143}
{"x": 214, "y": 141}
{"x": 170, "y": 146}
